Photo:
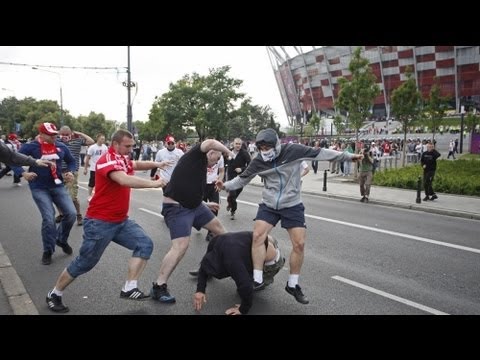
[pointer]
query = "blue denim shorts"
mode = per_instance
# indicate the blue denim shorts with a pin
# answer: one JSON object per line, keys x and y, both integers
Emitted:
{"x": 291, "y": 217}
{"x": 180, "y": 219}
{"x": 97, "y": 234}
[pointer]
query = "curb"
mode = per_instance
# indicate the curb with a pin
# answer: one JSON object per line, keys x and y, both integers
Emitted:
{"x": 12, "y": 285}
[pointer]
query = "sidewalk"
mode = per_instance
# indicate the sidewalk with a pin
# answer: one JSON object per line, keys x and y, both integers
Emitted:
{"x": 345, "y": 188}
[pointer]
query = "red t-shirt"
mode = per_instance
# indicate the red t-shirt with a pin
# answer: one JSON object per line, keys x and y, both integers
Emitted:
{"x": 111, "y": 201}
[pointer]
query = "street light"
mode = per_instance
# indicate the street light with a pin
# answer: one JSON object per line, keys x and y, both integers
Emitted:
{"x": 61, "y": 93}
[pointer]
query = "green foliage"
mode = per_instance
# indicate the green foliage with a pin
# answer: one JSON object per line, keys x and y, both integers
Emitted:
{"x": 208, "y": 104}
{"x": 461, "y": 177}
{"x": 471, "y": 121}
{"x": 356, "y": 96}
{"x": 339, "y": 124}
{"x": 315, "y": 123}
{"x": 405, "y": 104}
{"x": 436, "y": 107}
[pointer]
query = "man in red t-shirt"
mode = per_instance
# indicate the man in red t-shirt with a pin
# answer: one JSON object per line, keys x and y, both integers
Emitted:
{"x": 107, "y": 220}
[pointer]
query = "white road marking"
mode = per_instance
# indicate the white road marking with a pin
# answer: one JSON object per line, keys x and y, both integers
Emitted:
{"x": 388, "y": 232}
{"x": 151, "y": 212}
{"x": 390, "y": 296}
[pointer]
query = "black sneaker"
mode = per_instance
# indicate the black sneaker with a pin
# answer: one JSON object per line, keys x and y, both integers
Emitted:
{"x": 258, "y": 286}
{"x": 160, "y": 293}
{"x": 426, "y": 198}
{"x": 362, "y": 199}
{"x": 47, "y": 258}
{"x": 297, "y": 293}
{"x": 209, "y": 236}
{"x": 134, "y": 294}
{"x": 194, "y": 272}
{"x": 59, "y": 218}
{"x": 433, "y": 197}
{"x": 269, "y": 271}
{"x": 67, "y": 249}
{"x": 55, "y": 304}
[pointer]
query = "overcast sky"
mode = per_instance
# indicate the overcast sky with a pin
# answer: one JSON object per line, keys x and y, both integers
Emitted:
{"x": 152, "y": 69}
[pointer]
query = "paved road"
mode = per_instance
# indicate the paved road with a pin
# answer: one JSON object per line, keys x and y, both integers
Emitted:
{"x": 14, "y": 294}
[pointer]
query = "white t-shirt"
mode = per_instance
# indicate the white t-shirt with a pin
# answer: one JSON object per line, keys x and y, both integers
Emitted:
{"x": 165, "y": 155}
{"x": 212, "y": 172}
{"x": 95, "y": 151}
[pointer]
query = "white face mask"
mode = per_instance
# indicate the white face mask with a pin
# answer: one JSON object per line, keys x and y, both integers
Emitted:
{"x": 268, "y": 155}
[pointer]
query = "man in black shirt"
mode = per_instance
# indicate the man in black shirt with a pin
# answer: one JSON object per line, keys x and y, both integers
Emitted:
{"x": 236, "y": 164}
{"x": 230, "y": 255}
{"x": 183, "y": 208}
{"x": 429, "y": 165}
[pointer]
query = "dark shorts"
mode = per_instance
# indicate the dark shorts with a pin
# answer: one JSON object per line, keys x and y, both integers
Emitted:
{"x": 291, "y": 217}
{"x": 180, "y": 219}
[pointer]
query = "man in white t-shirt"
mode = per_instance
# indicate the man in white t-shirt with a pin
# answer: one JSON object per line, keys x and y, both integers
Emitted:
{"x": 169, "y": 153}
{"x": 94, "y": 153}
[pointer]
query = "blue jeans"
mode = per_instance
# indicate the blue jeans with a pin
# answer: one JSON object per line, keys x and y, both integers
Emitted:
{"x": 97, "y": 234}
{"x": 45, "y": 198}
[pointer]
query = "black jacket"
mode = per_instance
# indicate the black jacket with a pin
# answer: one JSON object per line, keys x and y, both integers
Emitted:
{"x": 230, "y": 255}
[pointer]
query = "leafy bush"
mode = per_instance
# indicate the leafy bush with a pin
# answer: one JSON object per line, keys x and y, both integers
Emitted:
{"x": 461, "y": 177}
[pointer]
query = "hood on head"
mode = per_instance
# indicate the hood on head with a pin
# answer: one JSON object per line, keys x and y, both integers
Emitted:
{"x": 269, "y": 137}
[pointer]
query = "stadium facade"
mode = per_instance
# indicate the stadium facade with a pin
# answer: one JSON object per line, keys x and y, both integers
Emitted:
{"x": 308, "y": 82}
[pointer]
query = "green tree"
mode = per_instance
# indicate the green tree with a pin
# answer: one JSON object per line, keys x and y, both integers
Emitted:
{"x": 315, "y": 123}
{"x": 339, "y": 124}
{"x": 471, "y": 121}
{"x": 405, "y": 103}
{"x": 356, "y": 95}
{"x": 209, "y": 104}
{"x": 203, "y": 102}
{"x": 436, "y": 107}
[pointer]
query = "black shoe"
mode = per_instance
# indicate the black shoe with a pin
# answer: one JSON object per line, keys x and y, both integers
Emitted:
{"x": 47, "y": 258}
{"x": 433, "y": 197}
{"x": 258, "y": 286}
{"x": 134, "y": 294}
{"x": 366, "y": 199}
{"x": 426, "y": 198}
{"x": 67, "y": 249}
{"x": 297, "y": 293}
{"x": 209, "y": 236}
{"x": 194, "y": 272}
{"x": 160, "y": 293}
{"x": 55, "y": 304}
{"x": 59, "y": 218}
{"x": 362, "y": 199}
{"x": 269, "y": 271}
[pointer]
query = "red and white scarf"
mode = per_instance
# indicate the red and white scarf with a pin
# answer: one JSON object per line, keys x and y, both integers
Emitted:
{"x": 49, "y": 152}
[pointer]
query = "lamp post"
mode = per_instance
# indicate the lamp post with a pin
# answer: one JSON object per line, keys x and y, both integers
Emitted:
{"x": 129, "y": 84}
{"x": 61, "y": 92}
{"x": 462, "y": 111}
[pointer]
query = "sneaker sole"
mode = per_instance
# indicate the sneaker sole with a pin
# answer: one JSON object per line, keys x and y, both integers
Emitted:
{"x": 136, "y": 299}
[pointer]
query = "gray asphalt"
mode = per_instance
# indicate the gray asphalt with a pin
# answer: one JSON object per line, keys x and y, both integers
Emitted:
{"x": 15, "y": 300}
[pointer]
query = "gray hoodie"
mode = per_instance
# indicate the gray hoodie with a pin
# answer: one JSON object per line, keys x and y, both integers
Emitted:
{"x": 281, "y": 176}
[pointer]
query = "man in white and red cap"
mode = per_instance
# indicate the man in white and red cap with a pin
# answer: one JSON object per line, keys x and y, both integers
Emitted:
{"x": 46, "y": 185}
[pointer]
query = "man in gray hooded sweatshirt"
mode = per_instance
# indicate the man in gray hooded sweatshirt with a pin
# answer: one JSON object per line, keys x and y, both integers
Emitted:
{"x": 277, "y": 165}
